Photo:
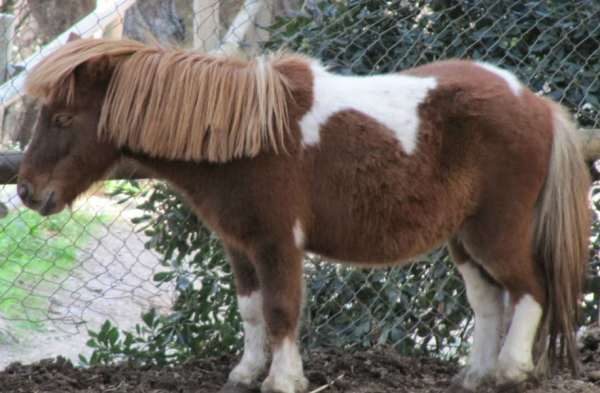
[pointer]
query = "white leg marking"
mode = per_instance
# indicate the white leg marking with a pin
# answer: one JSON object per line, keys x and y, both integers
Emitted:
{"x": 391, "y": 100}
{"x": 515, "y": 361}
{"x": 486, "y": 301}
{"x": 286, "y": 374}
{"x": 254, "y": 360}
{"x": 299, "y": 237}
{"x": 511, "y": 80}
{"x": 509, "y": 312}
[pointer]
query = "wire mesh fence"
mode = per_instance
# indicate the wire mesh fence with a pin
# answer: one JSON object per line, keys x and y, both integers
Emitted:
{"x": 127, "y": 247}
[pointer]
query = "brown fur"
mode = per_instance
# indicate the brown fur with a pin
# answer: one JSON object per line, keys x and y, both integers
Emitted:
{"x": 484, "y": 175}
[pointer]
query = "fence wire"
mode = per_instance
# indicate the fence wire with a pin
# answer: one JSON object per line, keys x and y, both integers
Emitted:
{"x": 62, "y": 275}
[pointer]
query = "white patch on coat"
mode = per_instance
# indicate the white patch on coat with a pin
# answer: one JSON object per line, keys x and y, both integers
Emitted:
{"x": 286, "y": 374}
{"x": 299, "y": 237}
{"x": 392, "y": 100}
{"x": 516, "y": 361}
{"x": 485, "y": 299}
{"x": 511, "y": 80}
{"x": 254, "y": 359}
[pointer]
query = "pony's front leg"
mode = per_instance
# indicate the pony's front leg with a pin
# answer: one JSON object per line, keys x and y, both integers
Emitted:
{"x": 250, "y": 303}
{"x": 279, "y": 268}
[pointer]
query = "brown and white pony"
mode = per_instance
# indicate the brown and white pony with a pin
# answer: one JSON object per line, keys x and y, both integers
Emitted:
{"x": 278, "y": 156}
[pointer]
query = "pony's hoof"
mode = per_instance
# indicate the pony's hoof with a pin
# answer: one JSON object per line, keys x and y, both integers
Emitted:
{"x": 457, "y": 384}
{"x": 285, "y": 385}
{"x": 244, "y": 376}
{"x": 236, "y": 388}
{"x": 468, "y": 381}
{"x": 514, "y": 379}
{"x": 517, "y": 387}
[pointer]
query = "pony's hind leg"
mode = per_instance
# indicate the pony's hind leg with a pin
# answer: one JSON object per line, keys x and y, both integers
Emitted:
{"x": 279, "y": 268}
{"x": 485, "y": 298}
{"x": 525, "y": 288}
{"x": 250, "y": 303}
{"x": 515, "y": 363}
{"x": 501, "y": 242}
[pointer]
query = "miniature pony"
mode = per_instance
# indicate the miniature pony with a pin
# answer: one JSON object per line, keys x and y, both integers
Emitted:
{"x": 280, "y": 157}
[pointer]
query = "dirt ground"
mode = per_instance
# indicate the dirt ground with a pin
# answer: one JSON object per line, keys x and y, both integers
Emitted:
{"x": 374, "y": 371}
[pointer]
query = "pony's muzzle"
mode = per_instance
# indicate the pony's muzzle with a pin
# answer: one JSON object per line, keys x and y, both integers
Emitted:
{"x": 44, "y": 203}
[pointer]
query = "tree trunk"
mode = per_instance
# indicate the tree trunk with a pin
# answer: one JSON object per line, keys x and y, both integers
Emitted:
{"x": 52, "y": 17}
{"x": 25, "y": 121}
{"x": 55, "y": 16}
{"x": 206, "y": 24}
{"x": 154, "y": 20}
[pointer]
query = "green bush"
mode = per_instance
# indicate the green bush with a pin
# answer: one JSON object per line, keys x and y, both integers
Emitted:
{"x": 204, "y": 320}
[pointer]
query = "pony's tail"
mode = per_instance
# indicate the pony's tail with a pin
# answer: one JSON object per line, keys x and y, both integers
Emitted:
{"x": 561, "y": 242}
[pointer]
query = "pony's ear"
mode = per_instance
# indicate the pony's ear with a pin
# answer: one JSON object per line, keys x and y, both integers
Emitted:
{"x": 73, "y": 37}
{"x": 96, "y": 70}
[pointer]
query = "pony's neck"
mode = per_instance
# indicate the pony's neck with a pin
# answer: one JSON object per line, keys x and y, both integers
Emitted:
{"x": 189, "y": 178}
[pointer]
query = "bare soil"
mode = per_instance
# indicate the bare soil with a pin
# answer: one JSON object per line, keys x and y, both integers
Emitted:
{"x": 373, "y": 371}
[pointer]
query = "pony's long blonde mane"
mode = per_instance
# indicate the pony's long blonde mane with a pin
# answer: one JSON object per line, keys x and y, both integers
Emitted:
{"x": 175, "y": 104}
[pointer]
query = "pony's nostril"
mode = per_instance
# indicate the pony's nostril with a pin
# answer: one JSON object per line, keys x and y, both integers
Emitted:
{"x": 24, "y": 190}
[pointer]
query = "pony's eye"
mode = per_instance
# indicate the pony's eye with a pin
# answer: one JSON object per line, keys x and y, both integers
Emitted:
{"x": 62, "y": 120}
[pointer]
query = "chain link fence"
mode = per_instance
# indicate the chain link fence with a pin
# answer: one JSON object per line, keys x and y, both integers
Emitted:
{"x": 128, "y": 247}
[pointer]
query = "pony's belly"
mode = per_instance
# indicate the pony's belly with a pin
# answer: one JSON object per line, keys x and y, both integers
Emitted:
{"x": 396, "y": 249}
{"x": 369, "y": 262}
{"x": 377, "y": 240}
